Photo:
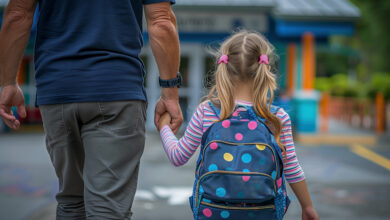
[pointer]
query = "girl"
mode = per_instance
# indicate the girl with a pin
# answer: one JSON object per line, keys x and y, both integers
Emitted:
{"x": 243, "y": 78}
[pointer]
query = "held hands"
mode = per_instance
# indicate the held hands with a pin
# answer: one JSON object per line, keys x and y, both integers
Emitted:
{"x": 168, "y": 103}
{"x": 11, "y": 95}
{"x": 165, "y": 119}
{"x": 309, "y": 213}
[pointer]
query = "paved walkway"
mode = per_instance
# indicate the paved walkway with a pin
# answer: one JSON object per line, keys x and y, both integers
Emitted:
{"x": 343, "y": 184}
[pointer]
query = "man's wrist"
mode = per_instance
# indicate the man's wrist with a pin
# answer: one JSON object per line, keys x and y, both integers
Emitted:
{"x": 170, "y": 93}
{"x": 171, "y": 82}
{"x": 8, "y": 83}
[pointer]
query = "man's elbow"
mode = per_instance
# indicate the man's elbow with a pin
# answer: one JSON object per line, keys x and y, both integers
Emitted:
{"x": 162, "y": 28}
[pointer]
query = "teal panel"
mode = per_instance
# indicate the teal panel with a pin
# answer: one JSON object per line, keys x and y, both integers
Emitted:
{"x": 281, "y": 50}
{"x": 305, "y": 113}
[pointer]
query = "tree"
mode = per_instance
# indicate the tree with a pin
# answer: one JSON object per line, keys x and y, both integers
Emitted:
{"x": 372, "y": 36}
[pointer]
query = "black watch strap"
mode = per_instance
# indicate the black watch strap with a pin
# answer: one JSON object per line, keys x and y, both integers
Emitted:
{"x": 170, "y": 83}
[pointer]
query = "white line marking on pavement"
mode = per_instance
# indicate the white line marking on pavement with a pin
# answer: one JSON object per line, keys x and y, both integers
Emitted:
{"x": 175, "y": 195}
{"x": 144, "y": 195}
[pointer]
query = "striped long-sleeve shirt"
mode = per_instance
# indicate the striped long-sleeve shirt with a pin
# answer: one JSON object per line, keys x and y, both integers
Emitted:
{"x": 180, "y": 151}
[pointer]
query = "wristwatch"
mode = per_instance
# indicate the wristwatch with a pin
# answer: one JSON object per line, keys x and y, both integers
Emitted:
{"x": 170, "y": 83}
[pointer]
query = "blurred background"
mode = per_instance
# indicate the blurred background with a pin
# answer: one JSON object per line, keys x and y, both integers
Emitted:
{"x": 334, "y": 81}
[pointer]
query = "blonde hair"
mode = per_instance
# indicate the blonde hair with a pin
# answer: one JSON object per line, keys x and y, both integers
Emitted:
{"x": 244, "y": 50}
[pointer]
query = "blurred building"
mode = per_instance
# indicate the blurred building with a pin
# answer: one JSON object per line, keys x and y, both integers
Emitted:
{"x": 293, "y": 26}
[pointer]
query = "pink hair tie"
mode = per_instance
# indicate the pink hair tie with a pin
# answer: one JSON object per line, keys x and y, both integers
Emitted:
{"x": 223, "y": 59}
{"x": 263, "y": 59}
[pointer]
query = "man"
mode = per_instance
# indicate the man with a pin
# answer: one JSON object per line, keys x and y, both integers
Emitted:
{"x": 90, "y": 92}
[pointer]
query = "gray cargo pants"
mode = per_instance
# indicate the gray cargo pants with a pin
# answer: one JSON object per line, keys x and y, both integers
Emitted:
{"x": 95, "y": 149}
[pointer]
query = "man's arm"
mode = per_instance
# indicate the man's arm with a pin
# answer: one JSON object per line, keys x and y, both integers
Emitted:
{"x": 14, "y": 35}
{"x": 164, "y": 41}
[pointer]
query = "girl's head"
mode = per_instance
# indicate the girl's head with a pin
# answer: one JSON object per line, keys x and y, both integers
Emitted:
{"x": 242, "y": 67}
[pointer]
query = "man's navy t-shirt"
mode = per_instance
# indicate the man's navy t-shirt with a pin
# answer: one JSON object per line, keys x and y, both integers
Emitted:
{"x": 87, "y": 51}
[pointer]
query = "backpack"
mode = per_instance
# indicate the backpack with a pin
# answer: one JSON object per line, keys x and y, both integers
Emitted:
{"x": 239, "y": 172}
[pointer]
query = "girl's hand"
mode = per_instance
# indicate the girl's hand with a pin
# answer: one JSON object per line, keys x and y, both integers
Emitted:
{"x": 309, "y": 213}
{"x": 165, "y": 119}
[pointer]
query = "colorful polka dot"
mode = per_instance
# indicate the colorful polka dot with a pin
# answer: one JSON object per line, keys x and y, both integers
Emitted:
{"x": 279, "y": 182}
{"x": 206, "y": 200}
{"x": 225, "y": 214}
{"x": 213, "y": 146}
{"x": 201, "y": 189}
{"x": 246, "y": 178}
{"x": 238, "y": 136}
{"x": 240, "y": 195}
{"x": 246, "y": 158}
{"x": 221, "y": 192}
{"x": 262, "y": 161}
{"x": 273, "y": 174}
{"x": 228, "y": 169}
{"x": 228, "y": 157}
{"x": 252, "y": 125}
{"x": 235, "y": 113}
{"x": 273, "y": 158}
{"x": 260, "y": 147}
{"x": 213, "y": 167}
{"x": 226, "y": 123}
{"x": 207, "y": 213}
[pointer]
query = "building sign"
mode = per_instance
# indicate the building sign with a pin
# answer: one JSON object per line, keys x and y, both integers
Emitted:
{"x": 221, "y": 22}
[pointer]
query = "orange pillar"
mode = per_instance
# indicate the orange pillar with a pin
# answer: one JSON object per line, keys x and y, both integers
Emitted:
{"x": 308, "y": 58}
{"x": 291, "y": 67}
{"x": 380, "y": 113}
{"x": 324, "y": 111}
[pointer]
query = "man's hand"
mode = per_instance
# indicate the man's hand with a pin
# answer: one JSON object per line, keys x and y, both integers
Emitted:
{"x": 11, "y": 95}
{"x": 169, "y": 103}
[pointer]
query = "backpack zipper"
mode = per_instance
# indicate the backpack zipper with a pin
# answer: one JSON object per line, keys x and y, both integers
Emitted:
{"x": 229, "y": 172}
{"x": 238, "y": 208}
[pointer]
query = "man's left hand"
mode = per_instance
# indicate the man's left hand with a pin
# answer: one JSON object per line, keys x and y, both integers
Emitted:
{"x": 173, "y": 108}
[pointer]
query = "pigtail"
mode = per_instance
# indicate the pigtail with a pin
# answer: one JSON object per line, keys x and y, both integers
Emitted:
{"x": 264, "y": 86}
{"x": 224, "y": 90}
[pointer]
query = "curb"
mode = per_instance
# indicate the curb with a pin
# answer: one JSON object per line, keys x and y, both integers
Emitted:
{"x": 336, "y": 139}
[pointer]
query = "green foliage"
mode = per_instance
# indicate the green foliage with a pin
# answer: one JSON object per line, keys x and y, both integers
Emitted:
{"x": 330, "y": 62}
{"x": 339, "y": 85}
{"x": 380, "y": 83}
{"x": 322, "y": 84}
{"x": 372, "y": 34}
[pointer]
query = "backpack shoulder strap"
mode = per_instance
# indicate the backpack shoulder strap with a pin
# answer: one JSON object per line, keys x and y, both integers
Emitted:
{"x": 216, "y": 110}
{"x": 274, "y": 109}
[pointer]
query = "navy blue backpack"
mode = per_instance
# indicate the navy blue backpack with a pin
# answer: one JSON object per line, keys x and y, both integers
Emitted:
{"x": 239, "y": 172}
